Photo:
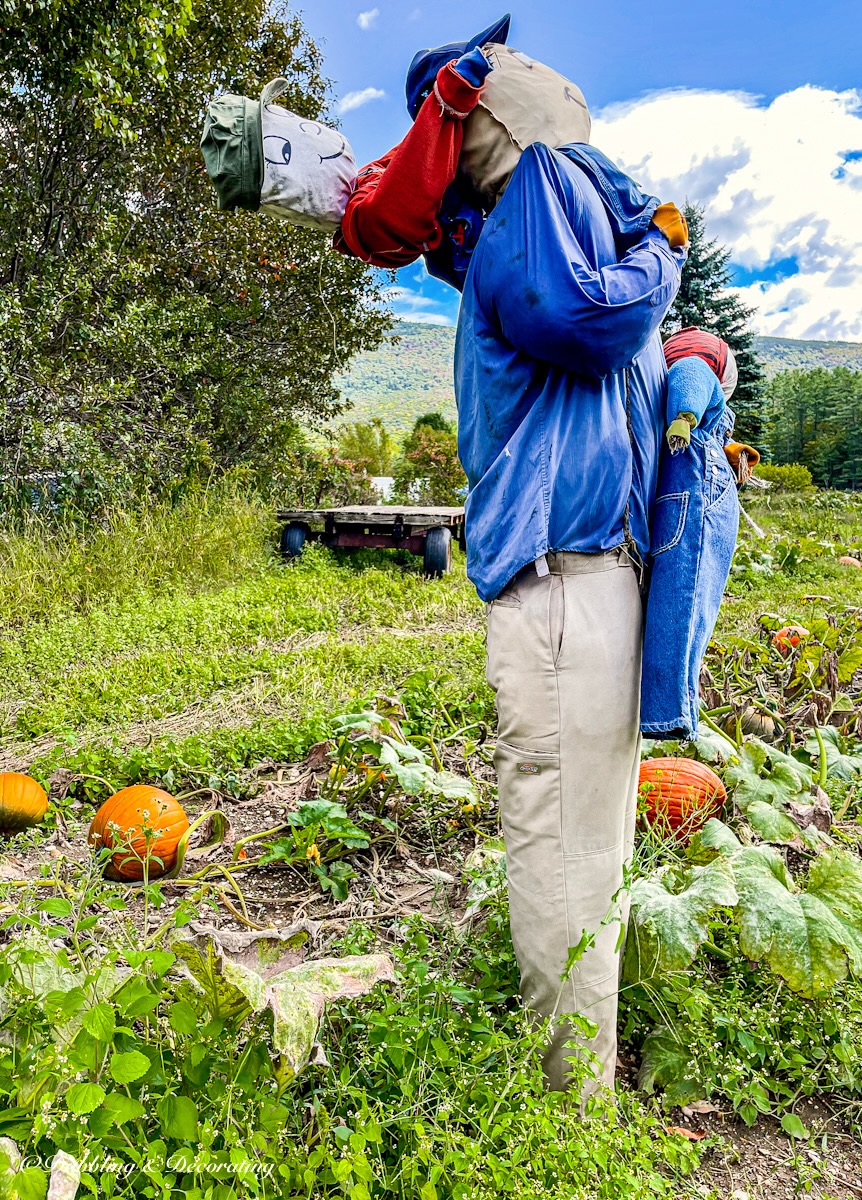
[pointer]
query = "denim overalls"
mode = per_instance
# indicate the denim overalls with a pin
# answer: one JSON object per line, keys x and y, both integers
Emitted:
{"x": 694, "y": 528}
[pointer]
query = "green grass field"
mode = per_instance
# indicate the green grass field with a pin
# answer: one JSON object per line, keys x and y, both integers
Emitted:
{"x": 176, "y": 648}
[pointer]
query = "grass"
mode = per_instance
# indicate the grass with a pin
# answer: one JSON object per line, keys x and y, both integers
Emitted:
{"x": 175, "y": 647}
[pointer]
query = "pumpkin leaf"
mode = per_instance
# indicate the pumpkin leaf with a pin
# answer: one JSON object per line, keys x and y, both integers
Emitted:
{"x": 667, "y": 1063}
{"x": 712, "y": 746}
{"x": 715, "y": 835}
{"x": 232, "y": 989}
{"x": 667, "y": 925}
{"x": 771, "y": 824}
{"x": 766, "y": 774}
{"x": 810, "y": 938}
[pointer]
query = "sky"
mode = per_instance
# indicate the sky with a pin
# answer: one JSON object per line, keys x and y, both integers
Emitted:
{"x": 752, "y": 108}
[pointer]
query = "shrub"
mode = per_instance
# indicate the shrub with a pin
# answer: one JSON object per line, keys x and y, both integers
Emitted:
{"x": 790, "y": 478}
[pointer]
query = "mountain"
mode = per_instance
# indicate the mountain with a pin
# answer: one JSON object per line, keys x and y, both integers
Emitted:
{"x": 412, "y": 374}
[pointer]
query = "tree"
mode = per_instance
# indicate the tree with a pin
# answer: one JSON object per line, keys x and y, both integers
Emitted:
{"x": 145, "y": 338}
{"x": 434, "y": 420}
{"x": 430, "y": 471}
{"x": 703, "y": 300}
{"x": 369, "y": 446}
{"x": 815, "y": 419}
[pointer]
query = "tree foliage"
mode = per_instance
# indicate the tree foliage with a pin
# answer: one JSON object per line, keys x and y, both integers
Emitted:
{"x": 815, "y": 418}
{"x": 703, "y": 300}
{"x": 430, "y": 471}
{"x": 145, "y": 338}
{"x": 369, "y": 445}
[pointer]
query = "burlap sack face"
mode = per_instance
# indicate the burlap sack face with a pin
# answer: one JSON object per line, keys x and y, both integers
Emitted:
{"x": 309, "y": 171}
{"x": 522, "y": 102}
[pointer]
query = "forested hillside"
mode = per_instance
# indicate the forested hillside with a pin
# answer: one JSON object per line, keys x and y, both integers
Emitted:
{"x": 413, "y": 374}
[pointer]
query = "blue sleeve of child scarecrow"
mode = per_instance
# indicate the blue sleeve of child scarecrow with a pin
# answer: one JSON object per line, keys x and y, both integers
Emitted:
{"x": 554, "y": 291}
{"x": 693, "y": 387}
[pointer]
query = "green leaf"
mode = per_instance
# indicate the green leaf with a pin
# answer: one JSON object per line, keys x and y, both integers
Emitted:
{"x": 31, "y": 1184}
{"x": 178, "y": 1117}
{"x": 667, "y": 926}
{"x": 56, "y": 907}
{"x": 798, "y": 934}
{"x": 771, "y": 824}
{"x": 183, "y": 1018}
{"x": 100, "y": 1021}
{"x": 793, "y": 1127}
{"x": 764, "y": 773}
{"x": 128, "y": 1066}
{"x": 84, "y": 1098}
{"x": 715, "y": 835}
{"x": 666, "y": 1062}
{"x": 123, "y": 1108}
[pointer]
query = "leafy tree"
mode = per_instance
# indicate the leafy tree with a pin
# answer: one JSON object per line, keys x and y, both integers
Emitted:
{"x": 703, "y": 300}
{"x": 145, "y": 338}
{"x": 434, "y": 420}
{"x": 815, "y": 418}
{"x": 369, "y": 445}
{"x": 430, "y": 471}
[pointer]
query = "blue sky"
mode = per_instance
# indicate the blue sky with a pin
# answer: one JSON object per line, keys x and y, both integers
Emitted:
{"x": 752, "y": 109}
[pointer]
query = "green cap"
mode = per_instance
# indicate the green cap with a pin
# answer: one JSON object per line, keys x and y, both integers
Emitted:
{"x": 232, "y": 146}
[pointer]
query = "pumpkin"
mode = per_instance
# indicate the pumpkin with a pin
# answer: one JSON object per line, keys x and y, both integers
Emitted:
{"x": 23, "y": 802}
{"x": 752, "y": 721}
{"x": 680, "y": 795}
{"x": 789, "y": 636}
{"x": 139, "y": 822}
{"x": 849, "y": 561}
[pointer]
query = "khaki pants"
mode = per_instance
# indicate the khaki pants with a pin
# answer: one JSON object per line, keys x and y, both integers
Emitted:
{"x": 564, "y": 658}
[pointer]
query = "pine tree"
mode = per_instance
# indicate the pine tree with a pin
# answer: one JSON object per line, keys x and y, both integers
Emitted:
{"x": 703, "y": 300}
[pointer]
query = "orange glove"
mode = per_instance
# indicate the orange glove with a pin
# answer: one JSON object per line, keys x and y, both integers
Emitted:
{"x": 671, "y": 222}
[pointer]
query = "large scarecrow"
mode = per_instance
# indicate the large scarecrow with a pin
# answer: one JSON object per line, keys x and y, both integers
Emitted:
{"x": 567, "y": 270}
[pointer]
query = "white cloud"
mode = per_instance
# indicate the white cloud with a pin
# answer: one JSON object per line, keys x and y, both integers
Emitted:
{"x": 407, "y": 305}
{"x": 367, "y": 20}
{"x": 781, "y": 182}
{"x": 357, "y": 99}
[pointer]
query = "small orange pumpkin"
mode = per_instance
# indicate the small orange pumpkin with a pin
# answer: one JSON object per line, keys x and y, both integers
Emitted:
{"x": 849, "y": 561}
{"x": 139, "y": 823}
{"x": 23, "y": 802}
{"x": 788, "y": 637}
{"x": 680, "y": 795}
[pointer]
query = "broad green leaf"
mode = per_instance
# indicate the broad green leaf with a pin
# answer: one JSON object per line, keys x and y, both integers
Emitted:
{"x": 31, "y": 1183}
{"x": 849, "y": 662}
{"x": 771, "y": 824}
{"x": 764, "y": 773}
{"x": 667, "y": 1063}
{"x": 453, "y": 787}
{"x": 793, "y": 1127}
{"x": 178, "y": 1117}
{"x": 667, "y": 927}
{"x": 123, "y": 1108}
{"x": 84, "y": 1098}
{"x": 100, "y": 1021}
{"x": 713, "y": 747}
{"x": 126, "y": 1067}
{"x": 715, "y": 835}
{"x": 183, "y": 1018}
{"x": 797, "y": 933}
{"x": 835, "y": 877}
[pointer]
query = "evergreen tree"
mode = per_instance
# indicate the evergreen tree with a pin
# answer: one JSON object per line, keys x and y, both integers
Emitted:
{"x": 703, "y": 300}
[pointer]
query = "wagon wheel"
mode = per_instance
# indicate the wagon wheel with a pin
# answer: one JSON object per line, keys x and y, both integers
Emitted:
{"x": 293, "y": 539}
{"x": 438, "y": 551}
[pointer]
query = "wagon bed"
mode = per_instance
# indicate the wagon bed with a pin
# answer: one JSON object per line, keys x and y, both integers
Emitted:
{"x": 417, "y": 528}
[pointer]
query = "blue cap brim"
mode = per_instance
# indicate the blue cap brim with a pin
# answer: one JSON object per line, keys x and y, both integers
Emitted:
{"x": 423, "y": 70}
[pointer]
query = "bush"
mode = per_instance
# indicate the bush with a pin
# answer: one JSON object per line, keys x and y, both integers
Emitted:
{"x": 791, "y": 478}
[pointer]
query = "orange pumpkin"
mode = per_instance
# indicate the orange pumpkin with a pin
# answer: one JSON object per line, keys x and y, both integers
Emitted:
{"x": 23, "y": 802}
{"x": 139, "y": 823}
{"x": 680, "y": 795}
{"x": 849, "y": 561}
{"x": 789, "y": 636}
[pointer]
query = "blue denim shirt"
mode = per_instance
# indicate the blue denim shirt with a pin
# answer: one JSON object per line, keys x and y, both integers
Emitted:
{"x": 564, "y": 296}
{"x": 694, "y": 535}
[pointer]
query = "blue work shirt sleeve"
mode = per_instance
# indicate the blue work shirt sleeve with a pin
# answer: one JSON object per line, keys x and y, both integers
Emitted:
{"x": 692, "y": 386}
{"x": 542, "y": 278}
